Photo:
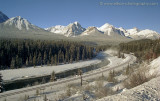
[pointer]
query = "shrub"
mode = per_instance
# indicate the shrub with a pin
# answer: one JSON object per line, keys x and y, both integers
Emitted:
{"x": 111, "y": 77}
{"x": 137, "y": 78}
{"x": 102, "y": 91}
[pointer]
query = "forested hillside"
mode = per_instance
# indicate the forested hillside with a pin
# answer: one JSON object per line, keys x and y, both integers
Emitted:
{"x": 143, "y": 49}
{"x": 16, "y": 53}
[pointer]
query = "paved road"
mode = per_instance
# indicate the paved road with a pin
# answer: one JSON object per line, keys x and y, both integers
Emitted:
{"x": 19, "y": 91}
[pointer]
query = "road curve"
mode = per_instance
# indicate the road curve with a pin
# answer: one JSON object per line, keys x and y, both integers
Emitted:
{"x": 24, "y": 90}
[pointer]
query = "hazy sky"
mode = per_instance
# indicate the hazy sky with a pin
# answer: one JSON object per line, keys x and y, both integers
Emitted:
{"x": 47, "y": 13}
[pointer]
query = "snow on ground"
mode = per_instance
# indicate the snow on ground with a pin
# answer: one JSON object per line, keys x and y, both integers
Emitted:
{"x": 13, "y": 74}
{"x": 149, "y": 91}
{"x": 155, "y": 66}
{"x": 114, "y": 61}
{"x": 57, "y": 91}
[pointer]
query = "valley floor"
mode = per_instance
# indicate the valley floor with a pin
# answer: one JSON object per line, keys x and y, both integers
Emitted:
{"x": 15, "y": 74}
{"x": 59, "y": 91}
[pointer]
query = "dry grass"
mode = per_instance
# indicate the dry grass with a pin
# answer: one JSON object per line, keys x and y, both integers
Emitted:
{"x": 138, "y": 77}
{"x": 101, "y": 91}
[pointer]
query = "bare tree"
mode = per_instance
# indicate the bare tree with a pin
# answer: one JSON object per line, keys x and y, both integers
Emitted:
{"x": 80, "y": 73}
{"x": 52, "y": 76}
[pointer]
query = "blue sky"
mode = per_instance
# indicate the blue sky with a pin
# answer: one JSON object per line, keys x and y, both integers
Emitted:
{"x": 47, "y": 13}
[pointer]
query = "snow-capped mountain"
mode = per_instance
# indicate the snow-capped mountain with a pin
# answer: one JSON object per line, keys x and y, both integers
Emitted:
{"x": 135, "y": 33}
{"x": 56, "y": 29}
{"x": 20, "y": 23}
{"x": 72, "y": 29}
{"x": 75, "y": 29}
{"x": 105, "y": 27}
{"x": 3, "y": 17}
{"x": 126, "y": 33}
{"x": 148, "y": 34}
{"x": 91, "y": 31}
{"x": 110, "y": 30}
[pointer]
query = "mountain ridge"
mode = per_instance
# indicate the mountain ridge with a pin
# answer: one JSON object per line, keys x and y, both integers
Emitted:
{"x": 107, "y": 31}
{"x": 3, "y": 17}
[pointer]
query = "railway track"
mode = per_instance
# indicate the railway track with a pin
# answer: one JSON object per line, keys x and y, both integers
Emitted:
{"x": 19, "y": 91}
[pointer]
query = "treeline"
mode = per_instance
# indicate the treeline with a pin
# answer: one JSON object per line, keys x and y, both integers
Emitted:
{"x": 145, "y": 49}
{"x": 23, "y": 53}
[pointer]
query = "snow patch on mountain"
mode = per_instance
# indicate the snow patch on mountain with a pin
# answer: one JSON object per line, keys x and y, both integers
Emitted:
{"x": 73, "y": 29}
{"x": 126, "y": 33}
{"x": 148, "y": 33}
{"x": 58, "y": 29}
{"x": 105, "y": 27}
{"x": 18, "y": 22}
{"x": 110, "y": 30}
{"x": 91, "y": 31}
{"x": 133, "y": 31}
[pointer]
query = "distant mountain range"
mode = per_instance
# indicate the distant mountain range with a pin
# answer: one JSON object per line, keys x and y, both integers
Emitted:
{"x": 75, "y": 29}
{"x": 20, "y": 25}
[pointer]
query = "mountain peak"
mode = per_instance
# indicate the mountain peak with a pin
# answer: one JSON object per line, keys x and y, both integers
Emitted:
{"x": 19, "y": 23}
{"x": 133, "y": 30}
{"x": 3, "y": 17}
{"x": 76, "y": 22}
{"x": 105, "y": 27}
{"x": 72, "y": 29}
{"x": 91, "y": 31}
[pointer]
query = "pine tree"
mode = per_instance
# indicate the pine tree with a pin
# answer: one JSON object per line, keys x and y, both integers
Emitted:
{"x": 45, "y": 98}
{"x": 45, "y": 57}
{"x": 58, "y": 58}
{"x": 1, "y": 83}
{"x": 111, "y": 76}
{"x": 18, "y": 62}
{"x": 48, "y": 63}
{"x": 50, "y": 55}
{"x": 26, "y": 97}
{"x": 52, "y": 76}
{"x": 80, "y": 73}
{"x": 39, "y": 59}
{"x": 37, "y": 92}
{"x": 71, "y": 58}
{"x": 78, "y": 55}
{"x": 30, "y": 60}
{"x": 34, "y": 60}
{"x": 24, "y": 52}
{"x": 83, "y": 54}
{"x": 66, "y": 56}
{"x": 127, "y": 70}
{"x": 52, "y": 61}
{"x": 123, "y": 56}
{"x": 55, "y": 59}
{"x": 13, "y": 63}
{"x": 27, "y": 62}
